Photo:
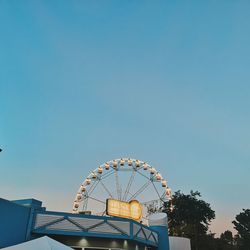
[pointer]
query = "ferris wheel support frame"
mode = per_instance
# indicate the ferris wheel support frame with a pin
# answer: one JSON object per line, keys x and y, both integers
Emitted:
{"x": 113, "y": 167}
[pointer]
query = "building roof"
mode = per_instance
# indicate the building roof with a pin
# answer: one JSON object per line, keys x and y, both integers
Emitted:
{"x": 43, "y": 243}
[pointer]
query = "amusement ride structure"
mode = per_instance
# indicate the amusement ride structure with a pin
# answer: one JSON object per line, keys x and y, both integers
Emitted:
{"x": 123, "y": 181}
{"x": 118, "y": 206}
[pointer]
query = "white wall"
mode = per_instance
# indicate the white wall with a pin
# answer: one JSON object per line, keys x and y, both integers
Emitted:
{"x": 179, "y": 243}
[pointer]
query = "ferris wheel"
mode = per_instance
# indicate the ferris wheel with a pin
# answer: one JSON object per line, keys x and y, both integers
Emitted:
{"x": 124, "y": 180}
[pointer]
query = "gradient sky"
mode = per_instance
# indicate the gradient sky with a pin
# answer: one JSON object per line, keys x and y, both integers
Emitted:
{"x": 83, "y": 82}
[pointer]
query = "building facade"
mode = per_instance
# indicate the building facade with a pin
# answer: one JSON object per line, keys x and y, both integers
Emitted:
{"x": 23, "y": 220}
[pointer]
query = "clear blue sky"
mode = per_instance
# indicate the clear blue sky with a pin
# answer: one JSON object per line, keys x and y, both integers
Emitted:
{"x": 82, "y": 82}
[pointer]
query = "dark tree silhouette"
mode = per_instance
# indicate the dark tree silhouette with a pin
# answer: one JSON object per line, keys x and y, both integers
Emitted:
{"x": 190, "y": 218}
{"x": 242, "y": 225}
{"x": 227, "y": 237}
{"x": 226, "y": 241}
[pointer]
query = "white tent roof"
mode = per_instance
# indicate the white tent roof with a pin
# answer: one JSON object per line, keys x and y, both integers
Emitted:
{"x": 43, "y": 243}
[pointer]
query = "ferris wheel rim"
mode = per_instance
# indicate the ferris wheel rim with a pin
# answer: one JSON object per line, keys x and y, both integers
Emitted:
{"x": 135, "y": 165}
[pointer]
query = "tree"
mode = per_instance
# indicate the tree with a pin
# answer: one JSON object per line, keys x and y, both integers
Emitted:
{"x": 190, "y": 218}
{"x": 226, "y": 241}
{"x": 227, "y": 237}
{"x": 242, "y": 225}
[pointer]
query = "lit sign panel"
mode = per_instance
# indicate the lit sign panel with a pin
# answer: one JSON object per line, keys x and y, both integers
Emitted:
{"x": 130, "y": 210}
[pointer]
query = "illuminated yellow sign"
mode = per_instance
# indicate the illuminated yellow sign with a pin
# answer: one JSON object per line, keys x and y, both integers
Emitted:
{"x": 130, "y": 210}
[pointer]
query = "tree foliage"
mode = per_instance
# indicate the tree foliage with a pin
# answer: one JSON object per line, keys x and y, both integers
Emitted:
{"x": 227, "y": 237}
{"x": 190, "y": 218}
{"x": 242, "y": 225}
{"x": 226, "y": 241}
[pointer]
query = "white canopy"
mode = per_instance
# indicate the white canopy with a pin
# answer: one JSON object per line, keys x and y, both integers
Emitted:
{"x": 43, "y": 243}
{"x": 179, "y": 243}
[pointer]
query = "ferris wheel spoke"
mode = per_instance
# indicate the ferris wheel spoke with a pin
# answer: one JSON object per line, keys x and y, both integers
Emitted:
{"x": 149, "y": 202}
{"x": 143, "y": 175}
{"x": 156, "y": 190}
{"x": 85, "y": 204}
{"x": 129, "y": 185}
{"x": 85, "y": 201}
{"x": 141, "y": 167}
{"x": 106, "y": 189}
{"x": 140, "y": 190}
{"x": 93, "y": 187}
{"x": 107, "y": 175}
{"x": 95, "y": 199}
{"x": 163, "y": 195}
{"x": 118, "y": 188}
{"x": 101, "y": 213}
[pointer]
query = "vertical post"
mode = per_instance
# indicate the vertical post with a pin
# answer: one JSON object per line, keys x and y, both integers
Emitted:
{"x": 131, "y": 230}
{"x": 159, "y": 222}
